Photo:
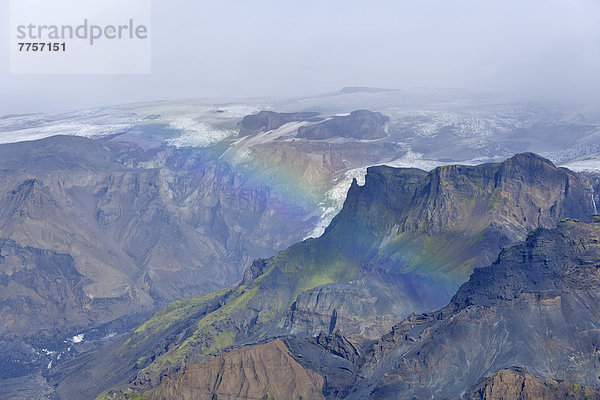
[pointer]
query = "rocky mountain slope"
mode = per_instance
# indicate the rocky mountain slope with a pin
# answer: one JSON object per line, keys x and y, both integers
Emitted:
{"x": 360, "y": 124}
{"x": 515, "y": 383}
{"x": 39, "y": 286}
{"x": 264, "y": 121}
{"x": 536, "y": 307}
{"x": 93, "y": 231}
{"x": 524, "y": 327}
{"x": 402, "y": 243}
{"x": 266, "y": 371}
{"x": 148, "y": 219}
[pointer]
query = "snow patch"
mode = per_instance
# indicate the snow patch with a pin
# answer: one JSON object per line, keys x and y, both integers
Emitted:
{"x": 585, "y": 165}
{"x": 241, "y": 110}
{"x": 414, "y": 160}
{"x": 48, "y": 352}
{"x": 431, "y": 123}
{"x": 18, "y": 133}
{"x": 196, "y": 134}
{"x": 334, "y": 199}
{"x": 77, "y": 338}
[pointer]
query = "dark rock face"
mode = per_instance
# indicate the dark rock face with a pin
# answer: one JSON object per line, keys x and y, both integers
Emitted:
{"x": 368, "y": 307}
{"x": 417, "y": 236}
{"x": 562, "y": 260}
{"x": 257, "y": 268}
{"x": 360, "y": 124}
{"x": 39, "y": 289}
{"x": 498, "y": 203}
{"x": 270, "y": 120}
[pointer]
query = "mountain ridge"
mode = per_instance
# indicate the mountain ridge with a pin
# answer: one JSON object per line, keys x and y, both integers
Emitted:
{"x": 267, "y": 303}
{"x": 540, "y": 341}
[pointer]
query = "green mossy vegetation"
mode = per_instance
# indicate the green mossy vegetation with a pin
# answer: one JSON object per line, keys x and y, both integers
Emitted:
{"x": 302, "y": 267}
{"x": 172, "y": 313}
{"x": 211, "y": 334}
{"x": 583, "y": 392}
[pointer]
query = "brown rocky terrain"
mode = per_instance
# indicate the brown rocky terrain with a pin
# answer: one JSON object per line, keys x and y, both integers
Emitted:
{"x": 266, "y": 371}
{"x": 516, "y": 384}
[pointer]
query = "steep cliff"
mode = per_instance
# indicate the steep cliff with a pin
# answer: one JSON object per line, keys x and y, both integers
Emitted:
{"x": 416, "y": 237}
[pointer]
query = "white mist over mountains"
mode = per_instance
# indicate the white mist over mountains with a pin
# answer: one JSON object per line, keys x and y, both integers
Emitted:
{"x": 535, "y": 50}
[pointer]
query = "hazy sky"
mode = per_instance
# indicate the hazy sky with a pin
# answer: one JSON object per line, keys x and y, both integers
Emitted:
{"x": 224, "y": 48}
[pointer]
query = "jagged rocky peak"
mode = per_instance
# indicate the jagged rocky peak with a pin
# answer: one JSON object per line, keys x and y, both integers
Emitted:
{"x": 29, "y": 199}
{"x": 550, "y": 261}
{"x": 516, "y": 196}
{"x": 270, "y": 120}
{"x": 537, "y": 308}
{"x": 492, "y": 204}
{"x": 359, "y": 124}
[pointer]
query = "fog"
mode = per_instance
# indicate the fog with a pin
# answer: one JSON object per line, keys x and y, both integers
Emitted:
{"x": 536, "y": 50}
